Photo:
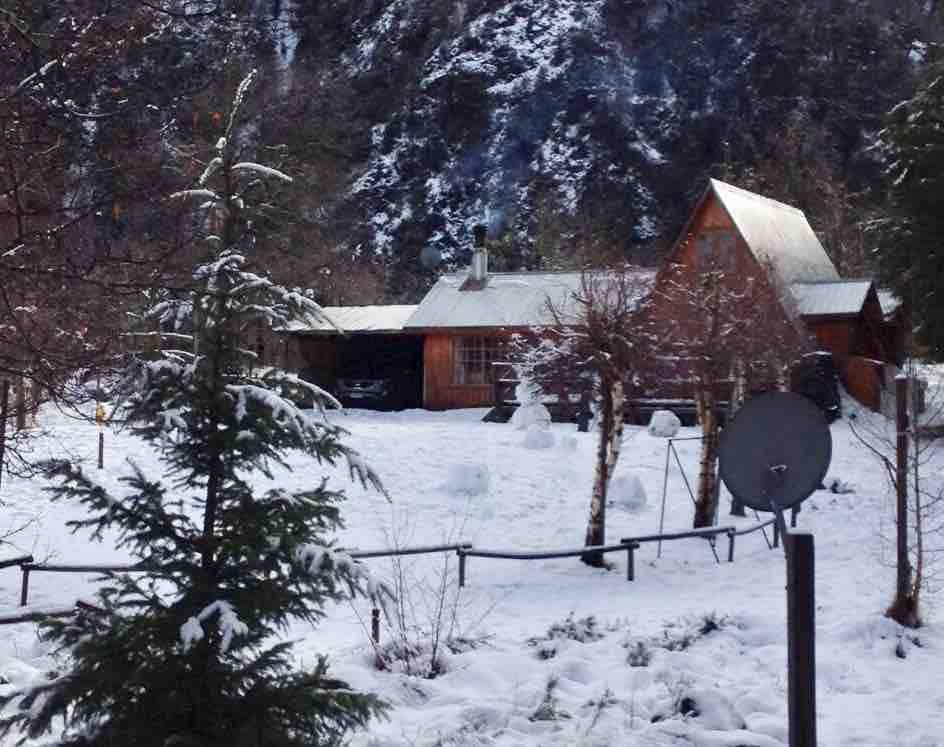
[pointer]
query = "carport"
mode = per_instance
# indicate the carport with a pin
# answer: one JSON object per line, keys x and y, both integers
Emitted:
{"x": 365, "y": 359}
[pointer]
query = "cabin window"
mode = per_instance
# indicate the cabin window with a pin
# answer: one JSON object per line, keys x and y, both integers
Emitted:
{"x": 473, "y": 360}
{"x": 715, "y": 250}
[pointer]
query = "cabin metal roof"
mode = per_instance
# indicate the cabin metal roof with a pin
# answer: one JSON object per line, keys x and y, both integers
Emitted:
{"x": 833, "y": 298}
{"x": 889, "y": 302}
{"x": 777, "y": 234}
{"x": 359, "y": 320}
{"x": 509, "y": 299}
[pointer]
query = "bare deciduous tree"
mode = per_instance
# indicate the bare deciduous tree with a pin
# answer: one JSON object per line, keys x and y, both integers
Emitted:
{"x": 595, "y": 344}
{"x": 728, "y": 336}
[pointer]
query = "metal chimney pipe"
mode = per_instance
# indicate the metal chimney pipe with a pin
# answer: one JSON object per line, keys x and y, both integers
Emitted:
{"x": 479, "y": 272}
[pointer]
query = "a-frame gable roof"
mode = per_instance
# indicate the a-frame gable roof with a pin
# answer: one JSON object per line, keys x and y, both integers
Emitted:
{"x": 777, "y": 235}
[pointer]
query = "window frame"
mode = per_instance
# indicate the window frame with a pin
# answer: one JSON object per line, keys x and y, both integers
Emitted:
{"x": 472, "y": 359}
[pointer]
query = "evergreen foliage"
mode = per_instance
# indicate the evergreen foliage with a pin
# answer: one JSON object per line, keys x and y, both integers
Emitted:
{"x": 189, "y": 650}
{"x": 911, "y": 248}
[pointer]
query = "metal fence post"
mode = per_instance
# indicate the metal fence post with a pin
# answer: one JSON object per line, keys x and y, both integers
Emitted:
{"x": 631, "y": 561}
{"x": 24, "y": 590}
{"x": 731, "y": 536}
{"x": 776, "y": 534}
{"x": 793, "y": 516}
{"x": 462, "y": 559}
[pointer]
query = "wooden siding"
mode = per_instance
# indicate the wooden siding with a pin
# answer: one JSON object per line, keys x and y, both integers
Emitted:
{"x": 439, "y": 391}
{"x": 671, "y": 378}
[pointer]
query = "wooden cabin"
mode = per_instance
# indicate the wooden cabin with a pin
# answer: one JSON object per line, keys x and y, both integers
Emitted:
{"x": 770, "y": 248}
{"x": 461, "y": 326}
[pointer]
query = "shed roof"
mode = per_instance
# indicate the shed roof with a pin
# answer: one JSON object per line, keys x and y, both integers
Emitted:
{"x": 832, "y": 298}
{"x": 777, "y": 234}
{"x": 359, "y": 320}
{"x": 509, "y": 299}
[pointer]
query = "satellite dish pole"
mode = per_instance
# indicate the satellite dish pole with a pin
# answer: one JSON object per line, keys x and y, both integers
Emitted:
{"x": 773, "y": 455}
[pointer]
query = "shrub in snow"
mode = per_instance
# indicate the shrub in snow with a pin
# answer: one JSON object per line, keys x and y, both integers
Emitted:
{"x": 532, "y": 415}
{"x": 467, "y": 479}
{"x": 627, "y": 492}
{"x": 709, "y": 706}
{"x": 639, "y": 654}
{"x": 538, "y": 438}
{"x": 194, "y": 648}
{"x": 664, "y": 424}
{"x": 548, "y": 709}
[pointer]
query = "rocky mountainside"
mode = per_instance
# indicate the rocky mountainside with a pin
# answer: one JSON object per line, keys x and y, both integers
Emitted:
{"x": 572, "y": 128}
{"x": 558, "y": 120}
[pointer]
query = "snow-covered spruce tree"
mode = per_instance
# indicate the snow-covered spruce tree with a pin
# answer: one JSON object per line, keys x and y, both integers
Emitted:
{"x": 188, "y": 651}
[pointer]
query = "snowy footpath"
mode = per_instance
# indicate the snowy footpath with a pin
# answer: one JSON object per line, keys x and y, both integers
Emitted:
{"x": 551, "y": 652}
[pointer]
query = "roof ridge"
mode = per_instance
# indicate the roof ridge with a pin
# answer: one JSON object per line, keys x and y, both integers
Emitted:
{"x": 756, "y": 196}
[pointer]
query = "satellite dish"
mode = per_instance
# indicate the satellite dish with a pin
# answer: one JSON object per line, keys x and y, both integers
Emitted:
{"x": 776, "y": 451}
{"x": 430, "y": 257}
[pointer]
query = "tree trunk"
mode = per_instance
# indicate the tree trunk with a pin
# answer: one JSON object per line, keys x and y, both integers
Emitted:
{"x": 706, "y": 499}
{"x": 904, "y": 608}
{"x": 611, "y": 437}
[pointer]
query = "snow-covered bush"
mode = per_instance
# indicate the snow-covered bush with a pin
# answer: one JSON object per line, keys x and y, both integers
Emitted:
{"x": 664, "y": 424}
{"x": 538, "y": 438}
{"x": 467, "y": 479}
{"x": 627, "y": 492}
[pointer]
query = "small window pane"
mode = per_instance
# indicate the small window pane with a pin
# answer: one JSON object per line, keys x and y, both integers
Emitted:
{"x": 473, "y": 360}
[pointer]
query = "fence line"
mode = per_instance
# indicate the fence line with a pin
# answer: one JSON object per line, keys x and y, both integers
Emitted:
{"x": 463, "y": 550}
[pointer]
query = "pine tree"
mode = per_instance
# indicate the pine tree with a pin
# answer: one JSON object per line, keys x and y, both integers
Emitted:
{"x": 911, "y": 249}
{"x": 188, "y": 651}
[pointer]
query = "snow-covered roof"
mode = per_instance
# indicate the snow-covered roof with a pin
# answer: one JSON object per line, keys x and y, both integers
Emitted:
{"x": 361, "y": 319}
{"x": 509, "y": 299}
{"x": 777, "y": 234}
{"x": 889, "y": 302}
{"x": 833, "y": 298}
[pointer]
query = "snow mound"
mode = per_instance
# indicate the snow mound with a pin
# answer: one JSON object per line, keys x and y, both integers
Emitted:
{"x": 627, "y": 492}
{"x": 568, "y": 443}
{"x": 838, "y": 485}
{"x": 531, "y": 414}
{"x": 664, "y": 424}
{"x": 467, "y": 479}
{"x": 538, "y": 437}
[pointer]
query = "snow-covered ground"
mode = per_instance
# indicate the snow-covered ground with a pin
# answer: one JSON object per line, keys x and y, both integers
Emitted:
{"x": 687, "y": 635}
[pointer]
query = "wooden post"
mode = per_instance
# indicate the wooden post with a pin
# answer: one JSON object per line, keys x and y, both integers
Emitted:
{"x": 24, "y": 589}
{"x": 101, "y": 449}
{"x": 462, "y": 559}
{"x": 375, "y": 625}
{"x": 801, "y": 639}
{"x": 4, "y": 409}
